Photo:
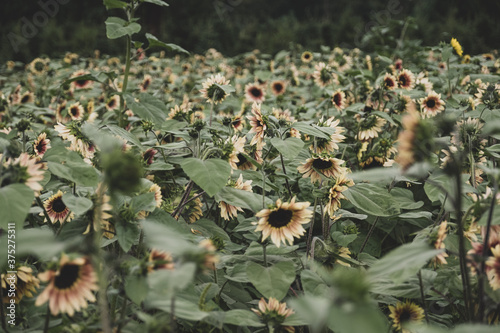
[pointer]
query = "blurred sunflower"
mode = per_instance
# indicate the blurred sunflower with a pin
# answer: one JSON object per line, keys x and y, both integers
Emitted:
{"x": 24, "y": 281}
{"x": 160, "y": 260}
{"x": 274, "y": 313}
{"x": 406, "y": 79}
{"x": 431, "y": 105}
{"x": 70, "y": 286}
{"x": 212, "y": 90}
{"x": 338, "y": 99}
{"x": 258, "y": 124}
{"x": 254, "y": 93}
{"x": 405, "y": 313}
{"x": 228, "y": 211}
{"x": 41, "y": 145}
{"x": 321, "y": 165}
{"x": 76, "y": 111}
{"x": 278, "y": 87}
{"x": 306, "y": 57}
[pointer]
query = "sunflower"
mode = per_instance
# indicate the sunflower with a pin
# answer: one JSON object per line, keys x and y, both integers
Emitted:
{"x": 254, "y": 92}
{"x": 149, "y": 155}
{"x": 24, "y": 170}
{"x": 431, "y": 105}
{"x": 113, "y": 103}
{"x": 76, "y": 111}
{"x": 212, "y": 90}
{"x": 440, "y": 259}
{"x": 274, "y": 313}
{"x": 405, "y": 313}
{"x": 278, "y": 87}
{"x": 369, "y": 127}
{"x": 306, "y": 57}
{"x": 389, "y": 82}
{"x": 70, "y": 286}
{"x": 317, "y": 166}
{"x": 158, "y": 200}
{"x": 228, "y": 211}
{"x": 238, "y": 145}
{"x": 146, "y": 83}
{"x": 258, "y": 124}
{"x": 457, "y": 47}
{"x": 237, "y": 123}
{"x": 81, "y": 83}
{"x": 331, "y": 144}
{"x": 342, "y": 183}
{"x": 24, "y": 281}
{"x": 424, "y": 83}
{"x": 323, "y": 75}
{"x": 38, "y": 66}
{"x": 160, "y": 260}
{"x": 404, "y": 104}
{"x": 284, "y": 221}
{"x": 406, "y": 79}
{"x": 493, "y": 264}
{"x": 209, "y": 255}
{"x": 99, "y": 212}
{"x": 27, "y": 97}
{"x": 339, "y": 100}
{"x": 41, "y": 145}
{"x": 56, "y": 209}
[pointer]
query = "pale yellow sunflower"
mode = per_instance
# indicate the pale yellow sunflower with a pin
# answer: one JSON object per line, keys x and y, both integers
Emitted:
{"x": 284, "y": 221}
{"x": 431, "y": 105}
{"x": 273, "y": 313}
{"x": 211, "y": 89}
{"x": 258, "y": 125}
{"x": 70, "y": 287}
{"x": 255, "y": 93}
{"x": 228, "y": 211}
{"x": 405, "y": 313}
{"x": 318, "y": 166}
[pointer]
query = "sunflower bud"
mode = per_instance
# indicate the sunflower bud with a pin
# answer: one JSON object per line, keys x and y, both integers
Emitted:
{"x": 123, "y": 171}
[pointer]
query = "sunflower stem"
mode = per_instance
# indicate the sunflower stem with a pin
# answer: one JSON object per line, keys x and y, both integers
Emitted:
{"x": 264, "y": 245}
{"x": 422, "y": 296}
{"x": 49, "y": 222}
{"x": 309, "y": 236}
{"x": 24, "y": 141}
{"x": 47, "y": 320}
{"x": 368, "y": 235}
{"x": 125, "y": 80}
{"x": 484, "y": 255}
{"x": 461, "y": 245}
{"x": 286, "y": 179}
{"x": 263, "y": 187}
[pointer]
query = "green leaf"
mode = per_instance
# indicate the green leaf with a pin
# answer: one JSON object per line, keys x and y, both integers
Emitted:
{"x": 372, "y": 199}
{"x": 147, "y": 107}
{"x": 167, "y": 238}
{"x": 359, "y": 318}
{"x": 289, "y": 147}
{"x": 86, "y": 77}
{"x": 208, "y": 228}
{"x": 403, "y": 262}
{"x": 272, "y": 281}
{"x": 136, "y": 288}
{"x": 79, "y": 173}
{"x": 117, "y": 27}
{"x": 127, "y": 234}
{"x": 211, "y": 175}
{"x": 240, "y": 198}
{"x": 313, "y": 310}
{"x": 157, "y": 2}
{"x": 240, "y": 317}
{"x": 313, "y": 284}
{"x": 78, "y": 205}
{"x": 144, "y": 202}
{"x": 125, "y": 135}
{"x": 111, "y": 4}
{"x": 343, "y": 240}
{"x": 154, "y": 42}
{"x": 310, "y": 130}
{"x": 101, "y": 138}
{"x": 15, "y": 202}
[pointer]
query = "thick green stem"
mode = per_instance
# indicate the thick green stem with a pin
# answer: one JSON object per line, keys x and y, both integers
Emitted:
{"x": 286, "y": 179}
{"x": 121, "y": 119}
{"x": 422, "y": 296}
{"x": 368, "y": 235}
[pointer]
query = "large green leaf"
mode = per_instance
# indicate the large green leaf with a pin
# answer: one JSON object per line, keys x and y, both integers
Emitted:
{"x": 127, "y": 234}
{"x": 357, "y": 318}
{"x": 403, "y": 262}
{"x": 372, "y": 199}
{"x": 272, "y": 281}
{"x": 79, "y": 173}
{"x": 125, "y": 135}
{"x": 147, "y": 107}
{"x": 240, "y": 198}
{"x": 144, "y": 202}
{"x": 211, "y": 175}
{"x": 310, "y": 130}
{"x": 117, "y": 27}
{"x": 136, "y": 287}
{"x": 154, "y": 42}
{"x": 15, "y": 202}
{"x": 240, "y": 317}
{"x": 313, "y": 284}
{"x": 289, "y": 147}
{"x": 78, "y": 205}
{"x": 167, "y": 238}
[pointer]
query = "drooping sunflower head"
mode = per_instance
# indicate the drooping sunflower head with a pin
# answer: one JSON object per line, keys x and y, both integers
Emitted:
{"x": 457, "y": 47}
{"x": 23, "y": 279}
{"x": 339, "y": 100}
{"x": 274, "y": 313}
{"x": 212, "y": 89}
{"x": 41, "y": 145}
{"x": 405, "y": 313}
{"x": 160, "y": 260}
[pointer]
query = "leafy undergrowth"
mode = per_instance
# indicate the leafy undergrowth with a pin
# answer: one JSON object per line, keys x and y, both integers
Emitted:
{"x": 314, "y": 192}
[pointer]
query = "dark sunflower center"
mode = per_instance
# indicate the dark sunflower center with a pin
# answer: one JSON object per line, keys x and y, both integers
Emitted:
{"x": 430, "y": 103}
{"x": 321, "y": 164}
{"x": 256, "y": 92}
{"x": 112, "y": 103}
{"x": 67, "y": 277}
{"x": 337, "y": 99}
{"x": 39, "y": 66}
{"x": 74, "y": 111}
{"x": 307, "y": 56}
{"x": 145, "y": 85}
{"x": 81, "y": 83}
{"x": 40, "y": 147}
{"x": 241, "y": 159}
{"x": 389, "y": 83}
{"x": 25, "y": 99}
{"x": 278, "y": 87}
{"x": 280, "y": 218}
{"x": 405, "y": 316}
{"x": 58, "y": 205}
{"x": 403, "y": 80}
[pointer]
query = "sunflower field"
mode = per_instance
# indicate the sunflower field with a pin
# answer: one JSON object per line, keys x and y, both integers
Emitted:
{"x": 328, "y": 190}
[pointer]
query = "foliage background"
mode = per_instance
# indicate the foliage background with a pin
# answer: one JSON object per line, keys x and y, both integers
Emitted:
{"x": 236, "y": 26}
